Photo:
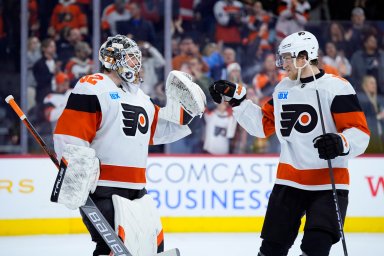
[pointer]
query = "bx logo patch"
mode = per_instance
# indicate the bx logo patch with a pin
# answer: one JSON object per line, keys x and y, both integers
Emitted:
{"x": 114, "y": 95}
{"x": 282, "y": 95}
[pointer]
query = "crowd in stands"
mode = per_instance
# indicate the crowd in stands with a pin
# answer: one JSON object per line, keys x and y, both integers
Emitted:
{"x": 211, "y": 40}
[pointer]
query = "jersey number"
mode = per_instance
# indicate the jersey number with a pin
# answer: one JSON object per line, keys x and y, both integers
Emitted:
{"x": 92, "y": 79}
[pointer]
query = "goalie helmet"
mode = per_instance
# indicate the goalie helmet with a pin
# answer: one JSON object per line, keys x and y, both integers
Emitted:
{"x": 296, "y": 43}
{"x": 123, "y": 55}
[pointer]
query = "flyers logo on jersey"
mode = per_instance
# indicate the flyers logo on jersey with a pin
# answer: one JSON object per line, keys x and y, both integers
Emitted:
{"x": 135, "y": 118}
{"x": 301, "y": 117}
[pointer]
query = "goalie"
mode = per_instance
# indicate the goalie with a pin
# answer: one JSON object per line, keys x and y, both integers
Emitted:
{"x": 103, "y": 135}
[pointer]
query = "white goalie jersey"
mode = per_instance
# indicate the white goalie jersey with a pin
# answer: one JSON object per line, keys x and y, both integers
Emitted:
{"x": 99, "y": 114}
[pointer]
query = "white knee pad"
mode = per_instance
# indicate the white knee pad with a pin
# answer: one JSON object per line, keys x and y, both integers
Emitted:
{"x": 138, "y": 224}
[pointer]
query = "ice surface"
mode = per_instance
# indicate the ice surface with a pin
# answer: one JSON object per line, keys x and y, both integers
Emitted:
{"x": 190, "y": 244}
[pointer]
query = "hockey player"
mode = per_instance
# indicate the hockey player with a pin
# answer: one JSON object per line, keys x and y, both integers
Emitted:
{"x": 303, "y": 185}
{"x": 103, "y": 134}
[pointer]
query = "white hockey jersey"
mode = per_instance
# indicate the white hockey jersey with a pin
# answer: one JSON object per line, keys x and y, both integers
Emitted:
{"x": 119, "y": 123}
{"x": 220, "y": 128}
{"x": 54, "y": 104}
{"x": 293, "y": 113}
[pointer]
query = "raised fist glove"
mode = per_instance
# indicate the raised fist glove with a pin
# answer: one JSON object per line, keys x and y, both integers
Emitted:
{"x": 234, "y": 94}
{"x": 331, "y": 145}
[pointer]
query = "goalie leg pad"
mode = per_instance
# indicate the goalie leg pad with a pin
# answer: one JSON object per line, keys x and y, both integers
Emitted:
{"x": 138, "y": 224}
{"x": 78, "y": 175}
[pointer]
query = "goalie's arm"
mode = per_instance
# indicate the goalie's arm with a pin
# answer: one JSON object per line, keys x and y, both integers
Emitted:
{"x": 164, "y": 131}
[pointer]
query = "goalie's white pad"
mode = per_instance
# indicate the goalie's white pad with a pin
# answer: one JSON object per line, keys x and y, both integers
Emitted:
{"x": 185, "y": 99}
{"x": 138, "y": 224}
{"x": 81, "y": 175}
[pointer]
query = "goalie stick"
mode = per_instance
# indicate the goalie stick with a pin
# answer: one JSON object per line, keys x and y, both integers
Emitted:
{"x": 89, "y": 209}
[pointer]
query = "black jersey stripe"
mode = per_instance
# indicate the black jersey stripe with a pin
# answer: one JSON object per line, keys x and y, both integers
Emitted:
{"x": 270, "y": 102}
{"x": 85, "y": 103}
{"x": 345, "y": 103}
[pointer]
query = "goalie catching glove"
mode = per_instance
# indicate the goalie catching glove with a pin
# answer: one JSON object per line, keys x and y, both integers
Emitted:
{"x": 185, "y": 99}
{"x": 78, "y": 175}
{"x": 234, "y": 94}
{"x": 331, "y": 145}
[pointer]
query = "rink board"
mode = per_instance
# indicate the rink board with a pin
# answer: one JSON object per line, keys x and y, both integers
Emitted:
{"x": 193, "y": 194}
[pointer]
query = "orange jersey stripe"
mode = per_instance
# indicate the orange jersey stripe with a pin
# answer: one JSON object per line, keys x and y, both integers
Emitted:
{"x": 121, "y": 233}
{"x": 122, "y": 173}
{"x": 312, "y": 176}
{"x": 79, "y": 124}
{"x": 268, "y": 119}
{"x": 160, "y": 238}
{"x": 349, "y": 120}
{"x": 154, "y": 124}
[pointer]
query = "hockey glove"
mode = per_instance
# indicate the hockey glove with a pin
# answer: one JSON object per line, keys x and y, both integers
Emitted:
{"x": 233, "y": 93}
{"x": 331, "y": 145}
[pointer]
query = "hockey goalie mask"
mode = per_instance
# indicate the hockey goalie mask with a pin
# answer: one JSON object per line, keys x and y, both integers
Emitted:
{"x": 121, "y": 54}
{"x": 296, "y": 43}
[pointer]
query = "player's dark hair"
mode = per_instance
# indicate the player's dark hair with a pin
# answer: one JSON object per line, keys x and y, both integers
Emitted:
{"x": 305, "y": 55}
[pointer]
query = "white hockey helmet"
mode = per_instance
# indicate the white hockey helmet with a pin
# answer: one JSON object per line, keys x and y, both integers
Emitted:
{"x": 123, "y": 55}
{"x": 296, "y": 43}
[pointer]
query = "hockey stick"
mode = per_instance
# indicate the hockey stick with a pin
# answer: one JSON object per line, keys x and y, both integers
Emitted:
{"x": 335, "y": 198}
{"x": 89, "y": 209}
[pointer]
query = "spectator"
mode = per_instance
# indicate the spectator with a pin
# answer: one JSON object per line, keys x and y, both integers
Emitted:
{"x": 355, "y": 34}
{"x": 258, "y": 22}
{"x": 33, "y": 55}
{"x": 368, "y": 61}
{"x": 264, "y": 82}
{"x": 336, "y": 34}
{"x": 220, "y": 128}
{"x": 55, "y": 102}
{"x": 188, "y": 50}
{"x": 79, "y": 65}
{"x": 215, "y": 61}
{"x": 205, "y": 20}
{"x": 33, "y": 19}
{"x": 228, "y": 15}
{"x": 293, "y": 16}
{"x": 372, "y": 105}
{"x": 337, "y": 60}
{"x": 118, "y": 11}
{"x": 137, "y": 27}
{"x": 152, "y": 61}
{"x": 45, "y": 69}
{"x": 229, "y": 56}
{"x": 67, "y": 14}
{"x": 66, "y": 45}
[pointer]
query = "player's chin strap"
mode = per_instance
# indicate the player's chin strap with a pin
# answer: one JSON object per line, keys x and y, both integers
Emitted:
{"x": 300, "y": 69}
